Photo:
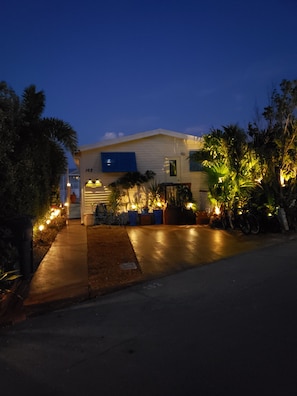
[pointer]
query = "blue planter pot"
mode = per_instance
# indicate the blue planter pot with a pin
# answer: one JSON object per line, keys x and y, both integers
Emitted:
{"x": 158, "y": 216}
{"x": 132, "y": 215}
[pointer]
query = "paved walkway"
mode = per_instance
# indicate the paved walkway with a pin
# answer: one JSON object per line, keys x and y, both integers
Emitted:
{"x": 63, "y": 273}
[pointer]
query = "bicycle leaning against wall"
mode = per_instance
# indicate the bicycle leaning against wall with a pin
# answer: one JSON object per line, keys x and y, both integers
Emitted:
{"x": 238, "y": 218}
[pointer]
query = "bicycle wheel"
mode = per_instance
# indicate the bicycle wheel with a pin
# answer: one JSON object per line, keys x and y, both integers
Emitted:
{"x": 224, "y": 222}
{"x": 231, "y": 220}
{"x": 254, "y": 223}
{"x": 244, "y": 225}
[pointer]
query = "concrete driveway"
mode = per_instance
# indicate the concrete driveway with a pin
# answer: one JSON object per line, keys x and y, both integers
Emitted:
{"x": 165, "y": 249}
{"x": 160, "y": 249}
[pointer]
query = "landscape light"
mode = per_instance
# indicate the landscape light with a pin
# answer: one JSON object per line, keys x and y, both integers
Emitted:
{"x": 217, "y": 210}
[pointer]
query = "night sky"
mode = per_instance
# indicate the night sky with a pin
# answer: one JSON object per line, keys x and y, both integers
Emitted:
{"x": 119, "y": 67}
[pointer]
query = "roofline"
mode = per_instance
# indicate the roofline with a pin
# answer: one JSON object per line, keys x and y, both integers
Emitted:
{"x": 135, "y": 136}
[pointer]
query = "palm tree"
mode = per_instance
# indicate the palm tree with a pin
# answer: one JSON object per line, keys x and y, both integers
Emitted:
{"x": 275, "y": 141}
{"x": 38, "y": 153}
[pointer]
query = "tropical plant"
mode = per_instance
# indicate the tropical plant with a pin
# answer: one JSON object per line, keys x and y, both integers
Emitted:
{"x": 134, "y": 179}
{"x": 114, "y": 199}
{"x": 231, "y": 165}
{"x": 6, "y": 280}
{"x": 154, "y": 195}
{"x": 183, "y": 195}
{"x": 274, "y": 138}
{"x": 33, "y": 151}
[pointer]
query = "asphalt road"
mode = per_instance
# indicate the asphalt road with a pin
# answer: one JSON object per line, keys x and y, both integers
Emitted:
{"x": 227, "y": 328}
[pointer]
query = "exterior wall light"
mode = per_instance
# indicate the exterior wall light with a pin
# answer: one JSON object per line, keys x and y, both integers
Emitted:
{"x": 93, "y": 183}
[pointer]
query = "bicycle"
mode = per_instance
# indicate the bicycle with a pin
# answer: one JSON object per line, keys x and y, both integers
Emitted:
{"x": 236, "y": 219}
{"x": 254, "y": 223}
{"x": 243, "y": 219}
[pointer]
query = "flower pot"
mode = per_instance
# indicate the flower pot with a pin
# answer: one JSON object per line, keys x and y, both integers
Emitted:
{"x": 145, "y": 218}
{"x": 158, "y": 216}
{"x": 176, "y": 215}
{"x": 202, "y": 217}
{"x": 132, "y": 215}
{"x": 172, "y": 215}
{"x": 89, "y": 219}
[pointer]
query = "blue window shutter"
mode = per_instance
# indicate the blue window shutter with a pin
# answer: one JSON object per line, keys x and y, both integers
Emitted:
{"x": 195, "y": 166}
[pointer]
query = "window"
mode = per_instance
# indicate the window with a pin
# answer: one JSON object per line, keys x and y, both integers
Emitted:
{"x": 118, "y": 162}
{"x": 195, "y": 166}
{"x": 172, "y": 168}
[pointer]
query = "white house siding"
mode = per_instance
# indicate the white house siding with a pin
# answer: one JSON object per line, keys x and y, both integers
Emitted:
{"x": 152, "y": 153}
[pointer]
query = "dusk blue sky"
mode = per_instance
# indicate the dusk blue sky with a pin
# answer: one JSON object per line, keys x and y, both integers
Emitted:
{"x": 119, "y": 67}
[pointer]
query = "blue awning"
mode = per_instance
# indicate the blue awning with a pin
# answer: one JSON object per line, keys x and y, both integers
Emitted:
{"x": 118, "y": 162}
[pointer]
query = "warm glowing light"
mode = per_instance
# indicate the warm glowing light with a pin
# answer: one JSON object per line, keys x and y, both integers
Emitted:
{"x": 48, "y": 221}
{"x": 133, "y": 206}
{"x": 93, "y": 183}
{"x": 68, "y": 184}
{"x": 41, "y": 227}
{"x": 56, "y": 212}
{"x": 189, "y": 205}
{"x": 217, "y": 210}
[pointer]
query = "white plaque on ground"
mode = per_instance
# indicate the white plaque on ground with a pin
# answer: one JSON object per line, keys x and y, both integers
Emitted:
{"x": 128, "y": 266}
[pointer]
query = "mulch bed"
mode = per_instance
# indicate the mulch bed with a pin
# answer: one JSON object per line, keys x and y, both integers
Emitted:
{"x": 111, "y": 259}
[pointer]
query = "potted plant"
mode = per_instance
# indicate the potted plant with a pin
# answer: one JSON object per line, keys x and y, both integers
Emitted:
{"x": 155, "y": 202}
{"x": 133, "y": 215}
{"x": 202, "y": 217}
{"x": 178, "y": 210}
{"x": 128, "y": 182}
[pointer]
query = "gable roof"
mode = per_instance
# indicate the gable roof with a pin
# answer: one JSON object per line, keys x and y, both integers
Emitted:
{"x": 136, "y": 136}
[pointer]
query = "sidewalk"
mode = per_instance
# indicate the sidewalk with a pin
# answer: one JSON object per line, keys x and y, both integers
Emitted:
{"x": 63, "y": 273}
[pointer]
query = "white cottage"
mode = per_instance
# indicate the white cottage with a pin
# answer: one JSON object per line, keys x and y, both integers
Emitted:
{"x": 164, "y": 152}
